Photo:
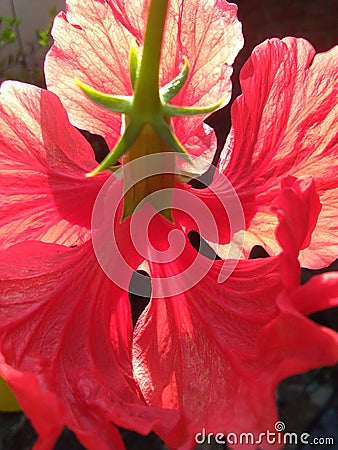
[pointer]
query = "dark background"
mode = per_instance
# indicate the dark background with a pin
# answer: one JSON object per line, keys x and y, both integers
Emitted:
{"x": 308, "y": 402}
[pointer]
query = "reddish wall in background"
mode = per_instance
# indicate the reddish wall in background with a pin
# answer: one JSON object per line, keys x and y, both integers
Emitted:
{"x": 314, "y": 20}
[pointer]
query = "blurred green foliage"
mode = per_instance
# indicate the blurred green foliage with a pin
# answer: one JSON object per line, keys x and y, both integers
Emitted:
{"x": 7, "y": 30}
{"x": 17, "y": 62}
{"x": 44, "y": 37}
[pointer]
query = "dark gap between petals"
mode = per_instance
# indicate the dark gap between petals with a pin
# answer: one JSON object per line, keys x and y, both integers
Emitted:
{"x": 204, "y": 180}
{"x": 258, "y": 251}
{"x": 202, "y": 246}
{"x": 220, "y": 121}
{"x": 68, "y": 439}
{"x": 327, "y": 317}
{"x": 315, "y": 394}
{"x": 16, "y": 431}
{"x": 307, "y": 274}
{"x": 135, "y": 441}
{"x": 99, "y": 145}
{"x": 139, "y": 293}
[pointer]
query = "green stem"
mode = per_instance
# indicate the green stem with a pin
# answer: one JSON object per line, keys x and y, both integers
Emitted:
{"x": 146, "y": 97}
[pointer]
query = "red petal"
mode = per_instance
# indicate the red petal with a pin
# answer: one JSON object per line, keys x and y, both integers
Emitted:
{"x": 197, "y": 352}
{"x": 43, "y": 161}
{"x": 115, "y": 241}
{"x": 285, "y": 124}
{"x": 292, "y": 343}
{"x": 37, "y": 404}
{"x": 297, "y": 208}
{"x": 319, "y": 293}
{"x": 217, "y": 353}
{"x": 210, "y": 45}
{"x": 67, "y": 326}
{"x": 215, "y": 212}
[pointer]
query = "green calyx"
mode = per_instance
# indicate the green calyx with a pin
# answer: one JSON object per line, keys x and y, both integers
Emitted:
{"x": 149, "y": 103}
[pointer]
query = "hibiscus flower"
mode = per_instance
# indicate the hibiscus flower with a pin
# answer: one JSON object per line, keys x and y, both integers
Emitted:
{"x": 92, "y": 42}
{"x": 69, "y": 350}
{"x": 285, "y": 121}
{"x": 66, "y": 332}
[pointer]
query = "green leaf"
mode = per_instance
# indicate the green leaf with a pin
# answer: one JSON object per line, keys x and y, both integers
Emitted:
{"x": 7, "y": 36}
{"x": 44, "y": 37}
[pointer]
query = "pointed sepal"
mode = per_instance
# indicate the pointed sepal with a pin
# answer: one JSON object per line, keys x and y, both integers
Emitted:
{"x": 116, "y": 103}
{"x": 168, "y": 137}
{"x": 134, "y": 64}
{"x": 175, "y": 111}
{"x": 171, "y": 89}
{"x": 124, "y": 143}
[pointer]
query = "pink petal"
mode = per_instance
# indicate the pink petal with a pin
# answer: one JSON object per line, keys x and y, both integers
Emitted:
{"x": 43, "y": 161}
{"x": 210, "y": 36}
{"x": 67, "y": 327}
{"x": 198, "y": 138}
{"x": 285, "y": 124}
{"x": 325, "y": 233}
{"x": 93, "y": 46}
{"x": 92, "y": 42}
